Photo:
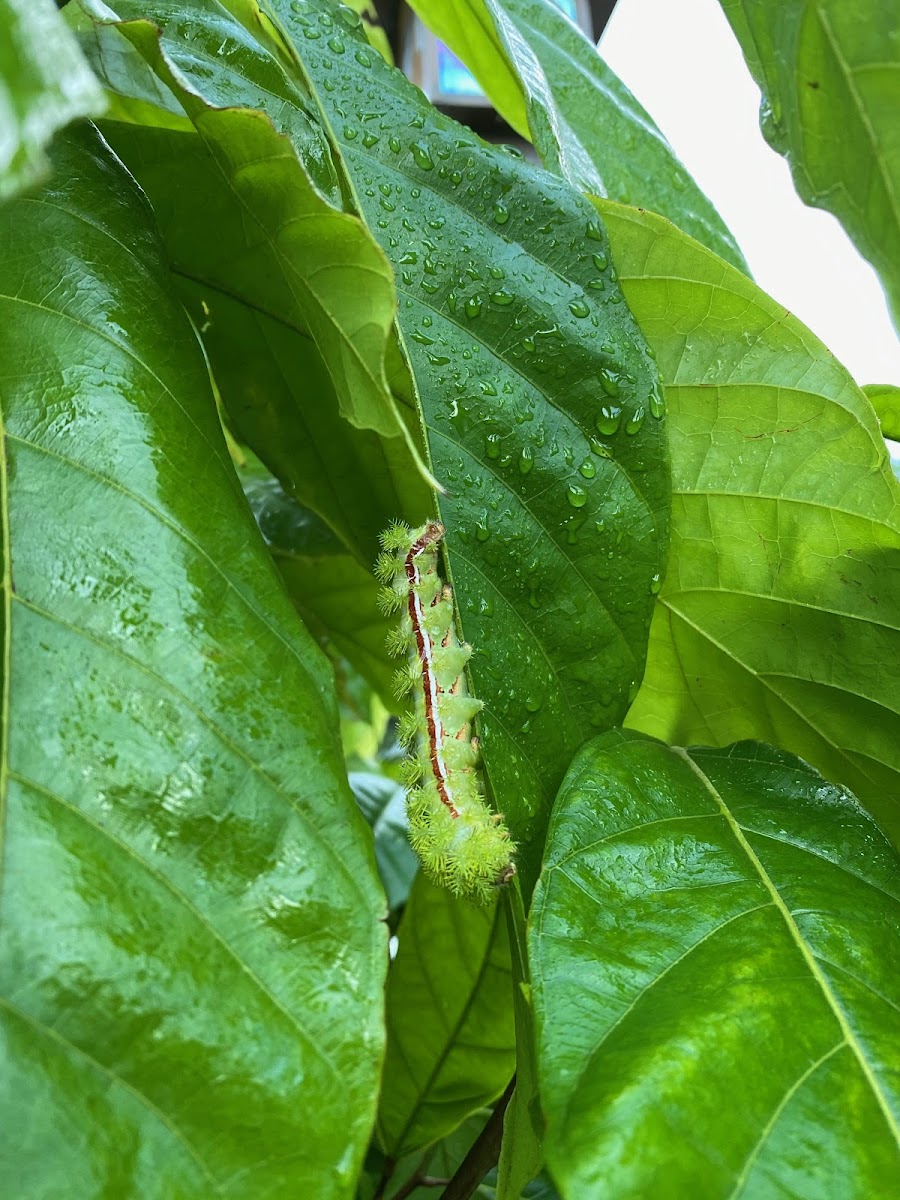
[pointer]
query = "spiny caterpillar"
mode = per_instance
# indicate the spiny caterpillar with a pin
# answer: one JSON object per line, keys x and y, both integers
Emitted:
{"x": 461, "y": 843}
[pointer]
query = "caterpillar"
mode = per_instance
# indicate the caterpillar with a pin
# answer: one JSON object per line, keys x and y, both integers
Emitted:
{"x": 462, "y": 844}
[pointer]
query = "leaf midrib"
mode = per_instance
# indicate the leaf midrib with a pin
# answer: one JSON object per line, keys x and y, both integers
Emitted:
{"x": 797, "y": 937}
{"x": 862, "y": 111}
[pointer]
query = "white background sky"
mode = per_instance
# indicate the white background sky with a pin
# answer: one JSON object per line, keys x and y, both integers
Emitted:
{"x": 682, "y": 62}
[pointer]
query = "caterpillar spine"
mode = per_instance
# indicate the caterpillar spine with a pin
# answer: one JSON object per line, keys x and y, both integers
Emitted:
{"x": 462, "y": 844}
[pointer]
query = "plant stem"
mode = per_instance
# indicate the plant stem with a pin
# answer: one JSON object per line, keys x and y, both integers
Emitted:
{"x": 484, "y": 1154}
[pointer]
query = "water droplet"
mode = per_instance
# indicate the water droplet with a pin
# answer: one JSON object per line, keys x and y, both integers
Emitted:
{"x": 422, "y": 338}
{"x": 492, "y": 445}
{"x": 588, "y": 469}
{"x": 418, "y": 122}
{"x": 610, "y": 419}
{"x": 312, "y": 34}
{"x": 438, "y": 360}
{"x": 601, "y": 262}
{"x": 655, "y": 583}
{"x": 636, "y": 420}
{"x": 348, "y": 16}
{"x": 422, "y": 156}
{"x": 600, "y": 449}
{"x": 387, "y": 205}
{"x": 609, "y": 381}
{"x": 578, "y": 308}
{"x": 473, "y": 306}
{"x": 594, "y": 231}
{"x": 533, "y": 703}
{"x": 363, "y": 58}
{"x": 597, "y": 284}
{"x": 350, "y": 133}
{"x": 369, "y": 140}
{"x": 336, "y": 45}
{"x": 657, "y": 402}
{"x": 526, "y": 459}
{"x": 482, "y": 530}
{"x": 576, "y": 495}
{"x": 501, "y": 213}
{"x": 501, "y": 297}
{"x": 394, "y": 144}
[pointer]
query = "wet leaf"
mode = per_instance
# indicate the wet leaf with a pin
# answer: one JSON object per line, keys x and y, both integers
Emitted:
{"x": 547, "y": 79}
{"x": 451, "y": 1041}
{"x": 44, "y": 84}
{"x": 192, "y": 956}
{"x": 335, "y": 596}
{"x": 830, "y": 77}
{"x": 715, "y": 952}
{"x": 779, "y": 616}
{"x": 294, "y": 298}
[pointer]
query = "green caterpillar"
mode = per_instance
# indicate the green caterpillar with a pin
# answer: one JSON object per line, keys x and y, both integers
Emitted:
{"x": 462, "y": 844}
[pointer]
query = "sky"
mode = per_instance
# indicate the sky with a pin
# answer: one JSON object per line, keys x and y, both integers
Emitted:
{"x": 682, "y": 62}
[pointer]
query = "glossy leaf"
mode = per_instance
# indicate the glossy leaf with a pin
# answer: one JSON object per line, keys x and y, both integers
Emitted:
{"x": 885, "y": 399}
{"x": 451, "y": 1041}
{"x": 518, "y": 341}
{"x": 546, "y": 78}
{"x": 779, "y": 618}
{"x": 44, "y": 84}
{"x": 519, "y": 345}
{"x": 830, "y": 77}
{"x": 335, "y": 596}
{"x": 715, "y": 944}
{"x": 294, "y": 298}
{"x": 383, "y": 803}
{"x": 192, "y": 954}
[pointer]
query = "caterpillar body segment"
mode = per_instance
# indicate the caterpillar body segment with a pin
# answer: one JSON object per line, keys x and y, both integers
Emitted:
{"x": 462, "y": 844}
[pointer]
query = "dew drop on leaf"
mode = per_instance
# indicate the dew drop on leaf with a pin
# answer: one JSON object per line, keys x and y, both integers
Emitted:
{"x": 422, "y": 156}
{"x": 635, "y": 421}
{"x": 609, "y": 419}
{"x": 609, "y": 382}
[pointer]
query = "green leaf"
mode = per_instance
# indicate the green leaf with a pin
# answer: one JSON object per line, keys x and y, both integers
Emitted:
{"x": 383, "y": 803}
{"x": 779, "y": 618}
{"x": 295, "y": 299}
{"x": 715, "y": 959}
{"x": 522, "y": 1147}
{"x": 451, "y": 1040}
{"x": 524, "y": 358}
{"x": 193, "y": 953}
{"x": 885, "y": 399}
{"x": 44, "y": 84}
{"x": 830, "y": 77}
{"x": 335, "y": 596}
{"x": 547, "y": 79}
